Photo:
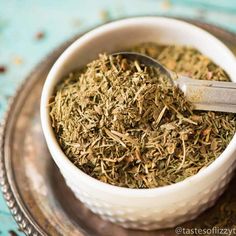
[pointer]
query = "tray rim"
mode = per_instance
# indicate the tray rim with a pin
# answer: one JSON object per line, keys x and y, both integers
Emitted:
{"x": 20, "y": 213}
{"x": 17, "y": 209}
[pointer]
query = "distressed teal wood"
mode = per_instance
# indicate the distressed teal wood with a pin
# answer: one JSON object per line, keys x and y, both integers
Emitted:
{"x": 21, "y": 20}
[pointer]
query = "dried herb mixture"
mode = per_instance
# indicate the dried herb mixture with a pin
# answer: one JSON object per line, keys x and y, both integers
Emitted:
{"x": 124, "y": 124}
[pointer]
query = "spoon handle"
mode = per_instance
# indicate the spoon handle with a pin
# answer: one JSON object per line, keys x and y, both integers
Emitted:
{"x": 209, "y": 95}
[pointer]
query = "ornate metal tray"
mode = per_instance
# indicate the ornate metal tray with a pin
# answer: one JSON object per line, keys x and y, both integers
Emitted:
{"x": 34, "y": 189}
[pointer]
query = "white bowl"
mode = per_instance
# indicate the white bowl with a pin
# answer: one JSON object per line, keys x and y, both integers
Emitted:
{"x": 154, "y": 208}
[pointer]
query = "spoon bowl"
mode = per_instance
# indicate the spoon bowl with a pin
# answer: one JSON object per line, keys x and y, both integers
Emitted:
{"x": 203, "y": 94}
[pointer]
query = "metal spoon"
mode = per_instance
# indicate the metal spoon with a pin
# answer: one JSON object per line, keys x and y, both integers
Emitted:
{"x": 204, "y": 94}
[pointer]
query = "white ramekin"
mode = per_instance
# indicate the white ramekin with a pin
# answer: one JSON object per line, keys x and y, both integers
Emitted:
{"x": 147, "y": 209}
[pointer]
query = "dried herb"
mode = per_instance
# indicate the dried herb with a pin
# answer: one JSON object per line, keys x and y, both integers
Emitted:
{"x": 105, "y": 15}
{"x": 17, "y": 60}
{"x": 166, "y": 5}
{"x": 3, "y": 69}
{"x": 39, "y": 35}
{"x": 123, "y": 123}
{"x": 12, "y": 233}
{"x": 184, "y": 60}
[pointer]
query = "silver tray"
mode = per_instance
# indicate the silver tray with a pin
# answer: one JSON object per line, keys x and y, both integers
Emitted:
{"x": 34, "y": 189}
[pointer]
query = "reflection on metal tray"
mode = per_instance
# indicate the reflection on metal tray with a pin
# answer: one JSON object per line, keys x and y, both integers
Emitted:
{"x": 35, "y": 191}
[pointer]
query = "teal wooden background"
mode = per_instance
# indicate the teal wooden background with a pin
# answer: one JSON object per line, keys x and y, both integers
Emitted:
{"x": 21, "y": 20}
